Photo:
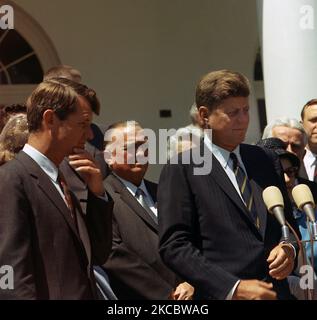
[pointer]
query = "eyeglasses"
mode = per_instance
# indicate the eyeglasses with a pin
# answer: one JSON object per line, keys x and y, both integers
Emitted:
{"x": 291, "y": 171}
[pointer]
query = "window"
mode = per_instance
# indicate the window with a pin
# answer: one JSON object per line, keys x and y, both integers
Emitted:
{"x": 25, "y": 52}
{"x": 18, "y": 62}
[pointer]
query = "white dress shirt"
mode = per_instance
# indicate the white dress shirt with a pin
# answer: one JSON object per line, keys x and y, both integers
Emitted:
{"x": 310, "y": 164}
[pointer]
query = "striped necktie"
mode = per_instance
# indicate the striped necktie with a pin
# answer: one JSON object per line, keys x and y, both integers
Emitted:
{"x": 245, "y": 188}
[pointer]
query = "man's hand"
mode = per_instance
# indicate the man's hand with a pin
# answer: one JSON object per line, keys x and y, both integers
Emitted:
{"x": 184, "y": 291}
{"x": 281, "y": 261}
{"x": 83, "y": 162}
{"x": 254, "y": 290}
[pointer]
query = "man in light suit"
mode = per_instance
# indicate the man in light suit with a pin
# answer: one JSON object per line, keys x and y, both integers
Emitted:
{"x": 134, "y": 266}
{"x": 44, "y": 235}
{"x": 214, "y": 229}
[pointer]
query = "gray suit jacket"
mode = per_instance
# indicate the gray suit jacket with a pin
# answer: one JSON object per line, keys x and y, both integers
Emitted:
{"x": 134, "y": 266}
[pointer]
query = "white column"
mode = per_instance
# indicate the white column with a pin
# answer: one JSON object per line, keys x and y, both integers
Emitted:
{"x": 289, "y": 45}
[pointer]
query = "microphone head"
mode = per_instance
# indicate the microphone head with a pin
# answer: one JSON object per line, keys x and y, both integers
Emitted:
{"x": 302, "y": 195}
{"x": 272, "y": 197}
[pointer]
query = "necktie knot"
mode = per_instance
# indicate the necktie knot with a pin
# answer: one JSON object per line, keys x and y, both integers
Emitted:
{"x": 234, "y": 160}
{"x": 139, "y": 193}
{"x": 61, "y": 181}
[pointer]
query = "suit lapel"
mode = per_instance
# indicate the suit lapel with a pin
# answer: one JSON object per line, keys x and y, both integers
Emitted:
{"x": 221, "y": 178}
{"x": 47, "y": 188}
{"x": 126, "y": 196}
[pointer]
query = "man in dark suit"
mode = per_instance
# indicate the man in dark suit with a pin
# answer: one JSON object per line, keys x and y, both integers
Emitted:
{"x": 214, "y": 229}
{"x": 44, "y": 235}
{"x": 85, "y": 152}
{"x": 85, "y": 149}
{"x": 134, "y": 266}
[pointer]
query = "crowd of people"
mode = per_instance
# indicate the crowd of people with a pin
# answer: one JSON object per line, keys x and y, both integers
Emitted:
{"x": 75, "y": 224}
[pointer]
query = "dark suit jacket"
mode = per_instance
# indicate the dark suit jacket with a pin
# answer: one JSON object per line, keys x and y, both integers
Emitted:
{"x": 135, "y": 268}
{"x": 206, "y": 233}
{"x": 51, "y": 258}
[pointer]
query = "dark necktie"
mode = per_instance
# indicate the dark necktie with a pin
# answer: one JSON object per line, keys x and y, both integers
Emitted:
{"x": 62, "y": 182}
{"x": 140, "y": 195}
{"x": 245, "y": 188}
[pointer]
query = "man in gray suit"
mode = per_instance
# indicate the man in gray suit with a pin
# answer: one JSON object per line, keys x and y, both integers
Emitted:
{"x": 135, "y": 268}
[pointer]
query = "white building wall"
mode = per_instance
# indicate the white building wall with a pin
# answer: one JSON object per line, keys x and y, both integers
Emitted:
{"x": 145, "y": 55}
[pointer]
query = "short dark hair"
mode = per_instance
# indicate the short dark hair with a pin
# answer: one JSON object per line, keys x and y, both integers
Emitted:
{"x": 61, "y": 96}
{"x": 309, "y": 103}
{"x": 217, "y": 86}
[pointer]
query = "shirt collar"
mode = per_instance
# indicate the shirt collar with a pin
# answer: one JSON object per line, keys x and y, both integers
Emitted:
{"x": 222, "y": 155}
{"x": 45, "y": 164}
{"x": 130, "y": 186}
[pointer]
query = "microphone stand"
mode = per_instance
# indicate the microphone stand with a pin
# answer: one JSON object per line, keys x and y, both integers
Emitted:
{"x": 303, "y": 257}
{"x": 312, "y": 237}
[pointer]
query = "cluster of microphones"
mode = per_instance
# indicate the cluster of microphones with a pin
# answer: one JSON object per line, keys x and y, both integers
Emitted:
{"x": 304, "y": 201}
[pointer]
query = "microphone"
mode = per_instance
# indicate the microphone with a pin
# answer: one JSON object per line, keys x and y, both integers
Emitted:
{"x": 305, "y": 202}
{"x": 274, "y": 202}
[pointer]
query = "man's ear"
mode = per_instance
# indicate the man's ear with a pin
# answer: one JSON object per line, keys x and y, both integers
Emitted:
{"x": 48, "y": 118}
{"x": 203, "y": 115}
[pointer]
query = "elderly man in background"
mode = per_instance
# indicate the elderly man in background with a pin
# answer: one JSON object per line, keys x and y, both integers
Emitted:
{"x": 134, "y": 266}
{"x": 293, "y": 134}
